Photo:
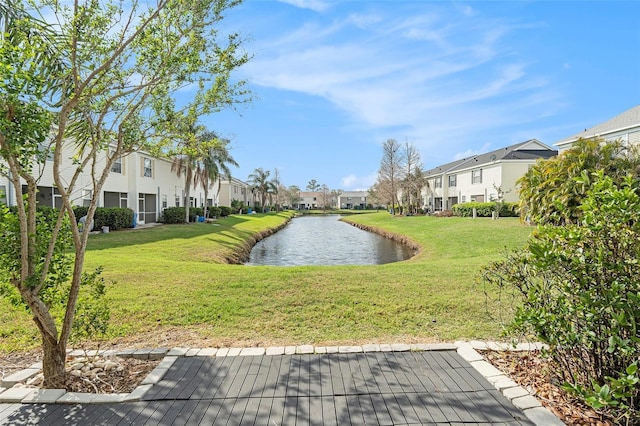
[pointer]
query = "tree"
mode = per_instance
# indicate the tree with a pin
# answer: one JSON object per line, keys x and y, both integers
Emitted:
{"x": 188, "y": 159}
{"x": 325, "y": 194}
{"x": 260, "y": 183}
{"x": 390, "y": 172}
{"x": 293, "y": 195}
{"x": 313, "y": 185}
{"x": 277, "y": 189}
{"x": 550, "y": 191}
{"x": 215, "y": 163}
{"x": 111, "y": 93}
{"x": 335, "y": 195}
{"x": 413, "y": 182}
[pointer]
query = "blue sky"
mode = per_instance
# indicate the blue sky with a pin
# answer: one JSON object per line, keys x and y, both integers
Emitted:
{"x": 334, "y": 79}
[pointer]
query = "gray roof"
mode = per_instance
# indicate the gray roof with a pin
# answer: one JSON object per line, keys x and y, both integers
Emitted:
{"x": 511, "y": 152}
{"x": 628, "y": 119}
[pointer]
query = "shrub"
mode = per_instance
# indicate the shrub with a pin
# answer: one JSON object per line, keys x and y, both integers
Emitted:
{"x": 113, "y": 217}
{"x": 580, "y": 291}
{"x": 484, "y": 209}
{"x": 172, "y": 215}
{"x": 225, "y": 211}
{"x": 215, "y": 211}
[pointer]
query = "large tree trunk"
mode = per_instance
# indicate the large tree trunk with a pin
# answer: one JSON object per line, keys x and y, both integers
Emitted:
{"x": 53, "y": 364}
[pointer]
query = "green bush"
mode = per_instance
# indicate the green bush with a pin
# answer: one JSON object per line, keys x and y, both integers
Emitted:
{"x": 579, "y": 286}
{"x": 225, "y": 211}
{"x": 172, "y": 215}
{"x": 484, "y": 209}
{"x": 113, "y": 217}
{"x": 215, "y": 211}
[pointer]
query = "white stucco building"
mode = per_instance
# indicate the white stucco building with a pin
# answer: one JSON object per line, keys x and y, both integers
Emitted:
{"x": 479, "y": 177}
{"x": 138, "y": 181}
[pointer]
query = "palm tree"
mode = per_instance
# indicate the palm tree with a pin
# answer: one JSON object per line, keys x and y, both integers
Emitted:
{"x": 215, "y": 163}
{"x": 186, "y": 164}
{"x": 260, "y": 184}
{"x": 189, "y": 158}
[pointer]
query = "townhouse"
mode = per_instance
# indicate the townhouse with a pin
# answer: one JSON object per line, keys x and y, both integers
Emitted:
{"x": 232, "y": 189}
{"x": 139, "y": 181}
{"x": 625, "y": 126}
{"x": 484, "y": 177}
{"x": 352, "y": 200}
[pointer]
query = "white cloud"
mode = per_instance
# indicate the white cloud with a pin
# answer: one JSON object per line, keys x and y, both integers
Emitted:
{"x": 471, "y": 152}
{"x": 358, "y": 183}
{"x": 433, "y": 77}
{"x": 315, "y": 5}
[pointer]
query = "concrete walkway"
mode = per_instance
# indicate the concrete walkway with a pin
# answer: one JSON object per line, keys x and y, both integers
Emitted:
{"x": 372, "y": 385}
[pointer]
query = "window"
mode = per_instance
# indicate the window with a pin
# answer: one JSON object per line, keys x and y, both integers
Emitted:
{"x": 116, "y": 167}
{"x": 164, "y": 201}
{"x": 3, "y": 194}
{"x": 438, "y": 182}
{"x": 476, "y": 176}
{"x": 124, "y": 200}
{"x": 177, "y": 200}
{"x": 86, "y": 197}
{"x": 453, "y": 180}
{"x": 46, "y": 148}
{"x": 147, "y": 167}
{"x": 464, "y": 198}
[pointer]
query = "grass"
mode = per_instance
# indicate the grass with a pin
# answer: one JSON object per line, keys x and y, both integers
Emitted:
{"x": 171, "y": 277}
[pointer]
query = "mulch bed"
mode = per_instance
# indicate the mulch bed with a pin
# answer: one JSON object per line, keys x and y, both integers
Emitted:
{"x": 534, "y": 373}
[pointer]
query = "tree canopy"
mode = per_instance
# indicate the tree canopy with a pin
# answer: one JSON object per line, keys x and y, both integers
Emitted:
{"x": 92, "y": 83}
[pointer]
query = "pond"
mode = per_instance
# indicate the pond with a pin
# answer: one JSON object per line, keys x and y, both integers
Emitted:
{"x": 325, "y": 240}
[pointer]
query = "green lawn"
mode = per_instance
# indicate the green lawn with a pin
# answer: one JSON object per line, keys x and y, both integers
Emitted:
{"x": 171, "y": 277}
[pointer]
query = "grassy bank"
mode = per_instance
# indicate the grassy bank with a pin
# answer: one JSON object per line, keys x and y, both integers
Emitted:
{"x": 171, "y": 278}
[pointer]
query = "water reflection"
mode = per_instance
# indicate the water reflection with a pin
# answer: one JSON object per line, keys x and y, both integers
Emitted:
{"x": 324, "y": 240}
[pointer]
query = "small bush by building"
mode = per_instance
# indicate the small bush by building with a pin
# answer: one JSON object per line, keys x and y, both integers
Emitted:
{"x": 484, "y": 209}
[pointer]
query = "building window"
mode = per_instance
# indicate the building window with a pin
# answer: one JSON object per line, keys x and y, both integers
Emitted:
{"x": 464, "y": 198}
{"x": 116, "y": 167}
{"x": 452, "y": 180}
{"x": 124, "y": 200}
{"x": 438, "y": 182}
{"x": 177, "y": 200}
{"x": 476, "y": 176}
{"x": 3, "y": 194}
{"x": 164, "y": 201}
{"x": 46, "y": 148}
{"x": 147, "y": 167}
{"x": 86, "y": 197}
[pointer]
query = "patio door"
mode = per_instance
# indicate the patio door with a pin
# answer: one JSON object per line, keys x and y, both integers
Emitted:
{"x": 141, "y": 208}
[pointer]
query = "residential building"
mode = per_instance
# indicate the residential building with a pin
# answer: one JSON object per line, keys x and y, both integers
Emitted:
{"x": 483, "y": 177}
{"x": 139, "y": 181}
{"x": 234, "y": 189}
{"x": 625, "y": 126}
{"x": 352, "y": 200}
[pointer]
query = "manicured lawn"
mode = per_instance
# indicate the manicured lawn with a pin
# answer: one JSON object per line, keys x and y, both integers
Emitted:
{"x": 170, "y": 276}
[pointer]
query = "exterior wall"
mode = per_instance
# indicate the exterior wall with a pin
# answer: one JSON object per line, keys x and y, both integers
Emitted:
{"x": 629, "y": 136}
{"x": 503, "y": 173}
{"x": 147, "y": 196}
{"x": 511, "y": 172}
{"x": 352, "y": 200}
{"x": 310, "y": 200}
{"x": 234, "y": 189}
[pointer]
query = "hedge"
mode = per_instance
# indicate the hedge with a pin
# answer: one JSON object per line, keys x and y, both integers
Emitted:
{"x": 113, "y": 217}
{"x": 484, "y": 209}
{"x": 176, "y": 214}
